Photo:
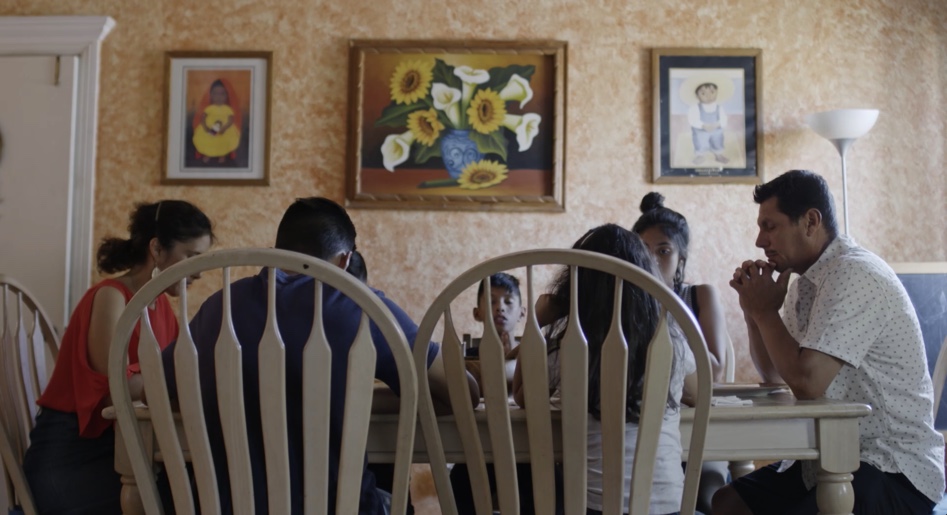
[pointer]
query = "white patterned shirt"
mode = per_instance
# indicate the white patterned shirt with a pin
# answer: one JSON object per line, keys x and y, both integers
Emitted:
{"x": 851, "y": 305}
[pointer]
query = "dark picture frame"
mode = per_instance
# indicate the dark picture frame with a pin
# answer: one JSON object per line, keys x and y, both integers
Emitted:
{"x": 456, "y": 125}
{"x": 707, "y": 119}
{"x": 217, "y": 116}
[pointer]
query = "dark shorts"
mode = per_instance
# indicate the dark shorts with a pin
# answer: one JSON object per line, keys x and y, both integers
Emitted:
{"x": 463, "y": 494}
{"x": 768, "y": 492}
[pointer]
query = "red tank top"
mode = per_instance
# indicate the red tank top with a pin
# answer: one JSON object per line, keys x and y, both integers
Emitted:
{"x": 74, "y": 386}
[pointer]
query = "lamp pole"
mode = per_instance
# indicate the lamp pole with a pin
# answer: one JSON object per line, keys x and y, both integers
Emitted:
{"x": 842, "y": 144}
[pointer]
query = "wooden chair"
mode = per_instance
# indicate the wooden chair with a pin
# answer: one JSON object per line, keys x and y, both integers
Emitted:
{"x": 272, "y": 379}
{"x": 730, "y": 366}
{"x": 940, "y": 375}
{"x": 542, "y": 451}
{"x": 26, "y": 335}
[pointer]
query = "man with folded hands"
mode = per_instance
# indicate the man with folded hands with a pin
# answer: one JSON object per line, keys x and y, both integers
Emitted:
{"x": 848, "y": 332}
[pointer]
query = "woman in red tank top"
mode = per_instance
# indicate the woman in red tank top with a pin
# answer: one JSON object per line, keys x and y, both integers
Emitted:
{"x": 70, "y": 463}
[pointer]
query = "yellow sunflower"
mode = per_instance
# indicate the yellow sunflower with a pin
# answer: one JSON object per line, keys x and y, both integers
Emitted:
{"x": 486, "y": 111}
{"x": 411, "y": 81}
{"x": 425, "y": 126}
{"x": 482, "y": 174}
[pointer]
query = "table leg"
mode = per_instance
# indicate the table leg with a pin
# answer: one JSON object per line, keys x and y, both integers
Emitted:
{"x": 838, "y": 458}
{"x": 741, "y": 468}
{"x": 131, "y": 498}
{"x": 835, "y": 495}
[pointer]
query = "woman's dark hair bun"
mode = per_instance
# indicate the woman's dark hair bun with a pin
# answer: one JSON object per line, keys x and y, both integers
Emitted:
{"x": 652, "y": 201}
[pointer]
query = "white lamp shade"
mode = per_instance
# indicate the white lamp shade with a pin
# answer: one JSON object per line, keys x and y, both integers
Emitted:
{"x": 843, "y": 123}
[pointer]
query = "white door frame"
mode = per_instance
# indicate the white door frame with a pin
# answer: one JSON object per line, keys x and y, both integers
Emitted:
{"x": 80, "y": 36}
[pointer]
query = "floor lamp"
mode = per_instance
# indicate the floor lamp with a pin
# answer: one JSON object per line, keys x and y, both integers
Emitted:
{"x": 842, "y": 127}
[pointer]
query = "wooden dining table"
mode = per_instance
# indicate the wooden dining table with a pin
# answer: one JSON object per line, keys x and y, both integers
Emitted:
{"x": 770, "y": 427}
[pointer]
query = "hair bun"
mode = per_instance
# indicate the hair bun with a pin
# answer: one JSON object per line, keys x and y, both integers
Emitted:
{"x": 652, "y": 201}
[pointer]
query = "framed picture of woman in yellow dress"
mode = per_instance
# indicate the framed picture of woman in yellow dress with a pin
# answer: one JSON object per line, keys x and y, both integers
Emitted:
{"x": 217, "y": 110}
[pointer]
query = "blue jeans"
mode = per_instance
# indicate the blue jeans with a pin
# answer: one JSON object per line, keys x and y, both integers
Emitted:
{"x": 69, "y": 474}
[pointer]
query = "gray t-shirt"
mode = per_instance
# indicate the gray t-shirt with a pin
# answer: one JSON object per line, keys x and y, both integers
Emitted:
{"x": 668, "y": 482}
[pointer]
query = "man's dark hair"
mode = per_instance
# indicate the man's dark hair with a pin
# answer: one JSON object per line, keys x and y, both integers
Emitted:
{"x": 796, "y": 192}
{"x": 502, "y": 280}
{"x": 316, "y": 226}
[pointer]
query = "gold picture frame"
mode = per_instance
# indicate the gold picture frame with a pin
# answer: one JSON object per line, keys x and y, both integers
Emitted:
{"x": 217, "y": 115}
{"x": 456, "y": 125}
{"x": 707, "y": 119}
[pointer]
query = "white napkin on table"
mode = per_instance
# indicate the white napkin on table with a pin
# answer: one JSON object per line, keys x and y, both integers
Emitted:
{"x": 730, "y": 400}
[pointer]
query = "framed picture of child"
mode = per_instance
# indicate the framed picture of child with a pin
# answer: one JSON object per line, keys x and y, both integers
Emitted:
{"x": 707, "y": 115}
{"x": 217, "y": 110}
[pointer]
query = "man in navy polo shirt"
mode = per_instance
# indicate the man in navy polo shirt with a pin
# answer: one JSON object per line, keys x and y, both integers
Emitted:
{"x": 321, "y": 228}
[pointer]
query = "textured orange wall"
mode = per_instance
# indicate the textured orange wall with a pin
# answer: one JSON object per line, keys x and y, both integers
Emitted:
{"x": 817, "y": 55}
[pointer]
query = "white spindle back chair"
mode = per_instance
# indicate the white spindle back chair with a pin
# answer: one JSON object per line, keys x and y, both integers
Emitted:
{"x": 544, "y": 447}
{"x": 26, "y": 337}
{"x": 939, "y": 377}
{"x": 272, "y": 374}
{"x": 730, "y": 367}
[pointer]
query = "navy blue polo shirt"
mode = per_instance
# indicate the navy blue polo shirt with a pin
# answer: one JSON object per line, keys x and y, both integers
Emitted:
{"x": 294, "y": 309}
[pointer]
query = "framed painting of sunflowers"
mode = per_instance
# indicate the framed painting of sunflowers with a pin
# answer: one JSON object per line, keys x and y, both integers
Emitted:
{"x": 456, "y": 125}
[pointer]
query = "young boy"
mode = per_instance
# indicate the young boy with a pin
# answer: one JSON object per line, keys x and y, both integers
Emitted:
{"x": 707, "y": 121}
{"x": 507, "y": 308}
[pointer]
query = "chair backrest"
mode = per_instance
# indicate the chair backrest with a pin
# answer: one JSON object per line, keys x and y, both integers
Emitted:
{"x": 939, "y": 376}
{"x": 316, "y": 372}
{"x": 26, "y": 336}
{"x": 573, "y": 413}
{"x": 730, "y": 366}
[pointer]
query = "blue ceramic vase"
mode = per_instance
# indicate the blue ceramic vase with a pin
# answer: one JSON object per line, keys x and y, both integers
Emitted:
{"x": 458, "y": 151}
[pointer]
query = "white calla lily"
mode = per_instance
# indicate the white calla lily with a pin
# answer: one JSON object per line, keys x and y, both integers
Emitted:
{"x": 517, "y": 89}
{"x": 447, "y": 99}
{"x": 470, "y": 75}
{"x": 396, "y": 149}
{"x": 526, "y": 128}
{"x": 471, "y": 78}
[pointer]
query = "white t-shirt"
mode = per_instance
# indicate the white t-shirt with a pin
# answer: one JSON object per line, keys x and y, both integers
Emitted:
{"x": 851, "y": 305}
{"x": 668, "y": 482}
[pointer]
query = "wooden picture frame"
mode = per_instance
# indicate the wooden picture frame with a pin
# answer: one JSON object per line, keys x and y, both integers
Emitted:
{"x": 495, "y": 109}
{"x": 217, "y": 115}
{"x": 716, "y": 137}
